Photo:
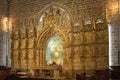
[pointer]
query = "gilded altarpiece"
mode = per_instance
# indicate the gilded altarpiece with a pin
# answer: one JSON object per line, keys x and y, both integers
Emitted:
{"x": 85, "y": 46}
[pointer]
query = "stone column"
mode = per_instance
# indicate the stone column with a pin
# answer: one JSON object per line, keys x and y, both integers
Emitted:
{"x": 3, "y": 48}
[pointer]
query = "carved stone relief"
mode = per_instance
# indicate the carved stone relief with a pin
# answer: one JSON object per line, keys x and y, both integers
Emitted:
{"x": 88, "y": 51}
{"x": 23, "y": 33}
{"x": 89, "y": 37}
{"x": 31, "y": 43}
{"x": 23, "y": 43}
{"x": 22, "y": 59}
{"x": 89, "y": 64}
{"x": 16, "y": 44}
{"x": 16, "y": 34}
{"x": 31, "y": 32}
{"x": 15, "y": 62}
{"x": 84, "y": 48}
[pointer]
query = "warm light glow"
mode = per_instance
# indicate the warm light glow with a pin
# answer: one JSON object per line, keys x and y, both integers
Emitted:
{"x": 5, "y": 24}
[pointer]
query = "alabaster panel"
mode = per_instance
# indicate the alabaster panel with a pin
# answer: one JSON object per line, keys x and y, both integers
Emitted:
{"x": 89, "y": 37}
{"x": 15, "y": 54}
{"x": 77, "y": 63}
{"x": 77, "y": 66}
{"x": 23, "y": 43}
{"x": 76, "y": 58}
{"x": 30, "y": 42}
{"x": 78, "y": 38}
{"x": 16, "y": 58}
{"x": 88, "y": 51}
{"x": 106, "y": 49}
{"x": 101, "y": 50}
{"x": 101, "y": 36}
{"x": 16, "y": 44}
{"x": 16, "y": 64}
{"x": 38, "y": 34}
{"x": 76, "y": 50}
{"x": 23, "y": 33}
{"x": 23, "y": 54}
{"x": 37, "y": 62}
{"x": 106, "y": 62}
{"x": 89, "y": 64}
{"x": 81, "y": 51}
{"x": 81, "y": 38}
{"x": 37, "y": 58}
{"x": 31, "y": 63}
{"x": 31, "y": 34}
{"x": 24, "y": 64}
{"x": 15, "y": 35}
{"x": 102, "y": 63}
{"x": 30, "y": 54}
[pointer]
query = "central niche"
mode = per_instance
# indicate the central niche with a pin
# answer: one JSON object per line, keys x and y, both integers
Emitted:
{"x": 54, "y": 51}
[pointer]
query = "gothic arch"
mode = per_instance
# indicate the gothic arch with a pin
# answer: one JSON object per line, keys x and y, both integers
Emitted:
{"x": 42, "y": 41}
{"x": 45, "y": 34}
